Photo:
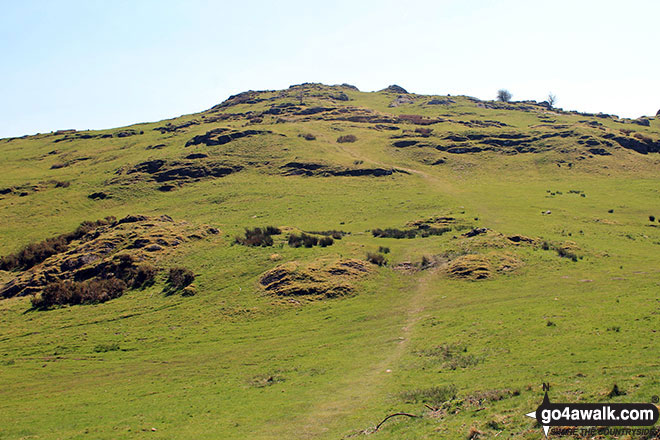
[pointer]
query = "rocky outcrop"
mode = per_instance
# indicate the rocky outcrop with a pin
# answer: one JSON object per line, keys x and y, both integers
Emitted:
{"x": 395, "y": 89}
{"x": 318, "y": 169}
{"x": 221, "y": 136}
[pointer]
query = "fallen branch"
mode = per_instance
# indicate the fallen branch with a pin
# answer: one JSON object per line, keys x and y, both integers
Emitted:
{"x": 393, "y": 415}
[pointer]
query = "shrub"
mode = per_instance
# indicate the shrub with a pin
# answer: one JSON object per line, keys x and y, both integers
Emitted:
{"x": 383, "y": 250}
{"x": 394, "y": 233}
{"x": 308, "y": 137}
{"x": 564, "y": 253}
{"x": 326, "y": 241}
{"x": 180, "y": 277}
{"x": 258, "y": 236}
{"x": 377, "y": 259}
{"x": 347, "y": 138}
{"x": 79, "y": 292}
{"x": 651, "y": 218}
{"x": 302, "y": 240}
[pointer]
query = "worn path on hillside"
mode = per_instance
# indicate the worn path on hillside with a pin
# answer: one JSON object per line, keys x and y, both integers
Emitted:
{"x": 363, "y": 385}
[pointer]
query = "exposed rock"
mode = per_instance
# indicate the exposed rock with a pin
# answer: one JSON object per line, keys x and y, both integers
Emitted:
{"x": 317, "y": 169}
{"x": 314, "y": 110}
{"x": 642, "y": 121}
{"x": 98, "y": 195}
{"x": 395, "y": 89}
{"x": 441, "y": 102}
{"x": 476, "y": 231}
{"x": 405, "y": 143}
{"x": 221, "y": 136}
{"x": 196, "y": 156}
{"x": 643, "y": 146}
{"x": 162, "y": 171}
{"x": 385, "y": 127}
{"x": 169, "y": 127}
{"x": 341, "y": 96}
{"x": 401, "y": 100}
{"x": 599, "y": 151}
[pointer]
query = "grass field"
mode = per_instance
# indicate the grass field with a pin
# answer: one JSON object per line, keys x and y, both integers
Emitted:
{"x": 234, "y": 361}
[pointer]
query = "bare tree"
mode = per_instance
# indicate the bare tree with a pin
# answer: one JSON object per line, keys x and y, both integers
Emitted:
{"x": 503, "y": 95}
{"x": 552, "y": 99}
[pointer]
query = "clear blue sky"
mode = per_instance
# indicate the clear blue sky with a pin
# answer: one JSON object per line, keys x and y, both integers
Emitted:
{"x": 101, "y": 64}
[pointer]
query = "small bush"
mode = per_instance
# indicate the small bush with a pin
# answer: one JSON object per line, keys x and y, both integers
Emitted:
{"x": 104, "y": 348}
{"x": 394, "y": 233}
{"x": 377, "y": 259}
{"x": 180, "y": 277}
{"x": 308, "y": 137}
{"x": 564, "y": 253}
{"x": 384, "y": 250}
{"x": 347, "y": 138}
{"x": 302, "y": 240}
{"x": 75, "y": 292}
{"x": 423, "y": 231}
{"x": 651, "y": 218}
{"x": 326, "y": 241}
{"x": 258, "y": 236}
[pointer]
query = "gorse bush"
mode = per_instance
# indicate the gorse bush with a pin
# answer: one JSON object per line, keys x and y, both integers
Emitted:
{"x": 326, "y": 241}
{"x": 377, "y": 259}
{"x": 408, "y": 233}
{"x": 180, "y": 277}
{"x": 309, "y": 241}
{"x": 302, "y": 240}
{"x": 258, "y": 236}
{"x": 78, "y": 292}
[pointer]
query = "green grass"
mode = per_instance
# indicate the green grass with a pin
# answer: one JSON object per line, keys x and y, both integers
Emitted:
{"x": 233, "y": 362}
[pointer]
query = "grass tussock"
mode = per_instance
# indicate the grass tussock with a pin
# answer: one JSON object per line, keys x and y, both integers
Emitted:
{"x": 450, "y": 356}
{"x": 434, "y": 396}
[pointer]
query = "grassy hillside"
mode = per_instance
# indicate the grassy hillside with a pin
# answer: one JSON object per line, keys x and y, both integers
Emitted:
{"x": 531, "y": 257}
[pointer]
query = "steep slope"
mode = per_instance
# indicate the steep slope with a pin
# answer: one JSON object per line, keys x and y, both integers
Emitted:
{"x": 412, "y": 250}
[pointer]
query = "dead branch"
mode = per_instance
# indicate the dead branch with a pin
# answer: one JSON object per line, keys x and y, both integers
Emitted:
{"x": 393, "y": 415}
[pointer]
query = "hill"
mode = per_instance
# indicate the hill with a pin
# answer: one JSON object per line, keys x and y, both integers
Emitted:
{"x": 302, "y": 263}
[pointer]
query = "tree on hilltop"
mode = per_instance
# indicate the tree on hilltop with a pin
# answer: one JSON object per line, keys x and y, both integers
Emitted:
{"x": 504, "y": 95}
